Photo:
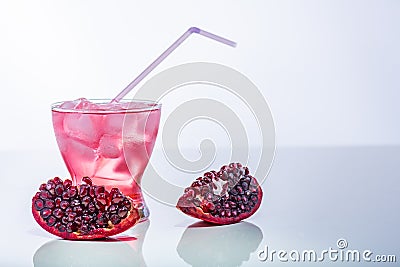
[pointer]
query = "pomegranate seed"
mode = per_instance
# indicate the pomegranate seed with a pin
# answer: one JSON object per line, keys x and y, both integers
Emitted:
{"x": 64, "y": 204}
{"x": 58, "y": 213}
{"x": 114, "y": 191}
{"x": 58, "y": 202}
{"x": 209, "y": 196}
{"x": 64, "y": 220}
{"x": 61, "y": 228}
{"x": 86, "y": 200}
{"x": 86, "y": 218}
{"x": 57, "y": 180}
{"x": 117, "y": 199}
{"x": 122, "y": 212}
{"x": 228, "y": 213}
{"x": 127, "y": 204}
{"x": 115, "y": 219}
{"x": 99, "y": 190}
{"x": 71, "y": 216}
{"x": 224, "y": 176}
{"x": 239, "y": 190}
{"x": 87, "y": 180}
{"x": 71, "y": 227}
{"x": 92, "y": 192}
{"x": 49, "y": 204}
{"x": 245, "y": 186}
{"x": 44, "y": 194}
{"x": 78, "y": 210}
{"x": 45, "y": 213}
{"x": 196, "y": 183}
{"x": 98, "y": 205}
{"x": 51, "y": 221}
{"x": 72, "y": 191}
{"x": 38, "y": 204}
{"x": 75, "y": 202}
{"x": 210, "y": 206}
{"x": 65, "y": 195}
{"x": 91, "y": 207}
{"x": 78, "y": 221}
{"x": 67, "y": 183}
{"x": 50, "y": 184}
{"x": 101, "y": 197}
{"x": 209, "y": 175}
{"x": 196, "y": 202}
{"x": 83, "y": 190}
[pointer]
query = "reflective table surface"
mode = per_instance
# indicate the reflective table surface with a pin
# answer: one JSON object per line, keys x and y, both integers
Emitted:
{"x": 321, "y": 198}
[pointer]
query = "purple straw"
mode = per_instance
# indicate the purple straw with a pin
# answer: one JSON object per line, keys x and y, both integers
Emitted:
{"x": 169, "y": 50}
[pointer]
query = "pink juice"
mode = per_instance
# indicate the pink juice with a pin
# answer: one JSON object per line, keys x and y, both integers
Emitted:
{"x": 110, "y": 143}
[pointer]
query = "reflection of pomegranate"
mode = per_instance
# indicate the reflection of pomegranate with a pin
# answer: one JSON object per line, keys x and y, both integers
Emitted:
{"x": 227, "y": 196}
{"x": 203, "y": 244}
{"x": 116, "y": 251}
{"x": 85, "y": 211}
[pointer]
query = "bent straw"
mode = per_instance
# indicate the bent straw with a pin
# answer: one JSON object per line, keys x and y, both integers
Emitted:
{"x": 169, "y": 50}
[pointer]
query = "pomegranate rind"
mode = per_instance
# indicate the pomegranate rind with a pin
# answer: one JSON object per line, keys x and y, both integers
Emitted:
{"x": 132, "y": 218}
{"x": 197, "y": 212}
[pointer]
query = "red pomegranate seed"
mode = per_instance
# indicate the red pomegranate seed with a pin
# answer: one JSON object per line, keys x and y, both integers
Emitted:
{"x": 87, "y": 180}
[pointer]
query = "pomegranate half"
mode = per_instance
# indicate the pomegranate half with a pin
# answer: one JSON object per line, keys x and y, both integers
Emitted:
{"x": 222, "y": 197}
{"x": 84, "y": 211}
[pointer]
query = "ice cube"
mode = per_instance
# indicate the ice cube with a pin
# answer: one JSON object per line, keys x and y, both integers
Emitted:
{"x": 81, "y": 152}
{"x": 136, "y": 157}
{"x": 68, "y": 105}
{"x": 113, "y": 124}
{"x": 80, "y": 103}
{"x": 90, "y": 106}
{"x": 82, "y": 159}
{"x": 134, "y": 126}
{"x": 87, "y": 128}
{"x": 110, "y": 146}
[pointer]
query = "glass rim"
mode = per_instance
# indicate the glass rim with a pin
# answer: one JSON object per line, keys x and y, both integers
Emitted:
{"x": 153, "y": 105}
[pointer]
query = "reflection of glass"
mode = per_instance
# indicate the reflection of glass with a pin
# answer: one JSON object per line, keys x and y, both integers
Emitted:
{"x": 204, "y": 244}
{"x": 110, "y": 143}
{"x": 117, "y": 251}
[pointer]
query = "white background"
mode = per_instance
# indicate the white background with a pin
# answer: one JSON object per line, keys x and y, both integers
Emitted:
{"x": 329, "y": 69}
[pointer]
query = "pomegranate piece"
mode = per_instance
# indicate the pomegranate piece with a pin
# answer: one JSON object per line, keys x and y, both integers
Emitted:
{"x": 84, "y": 211}
{"x": 222, "y": 197}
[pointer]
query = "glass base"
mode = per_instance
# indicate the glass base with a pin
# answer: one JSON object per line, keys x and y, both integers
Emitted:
{"x": 144, "y": 212}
